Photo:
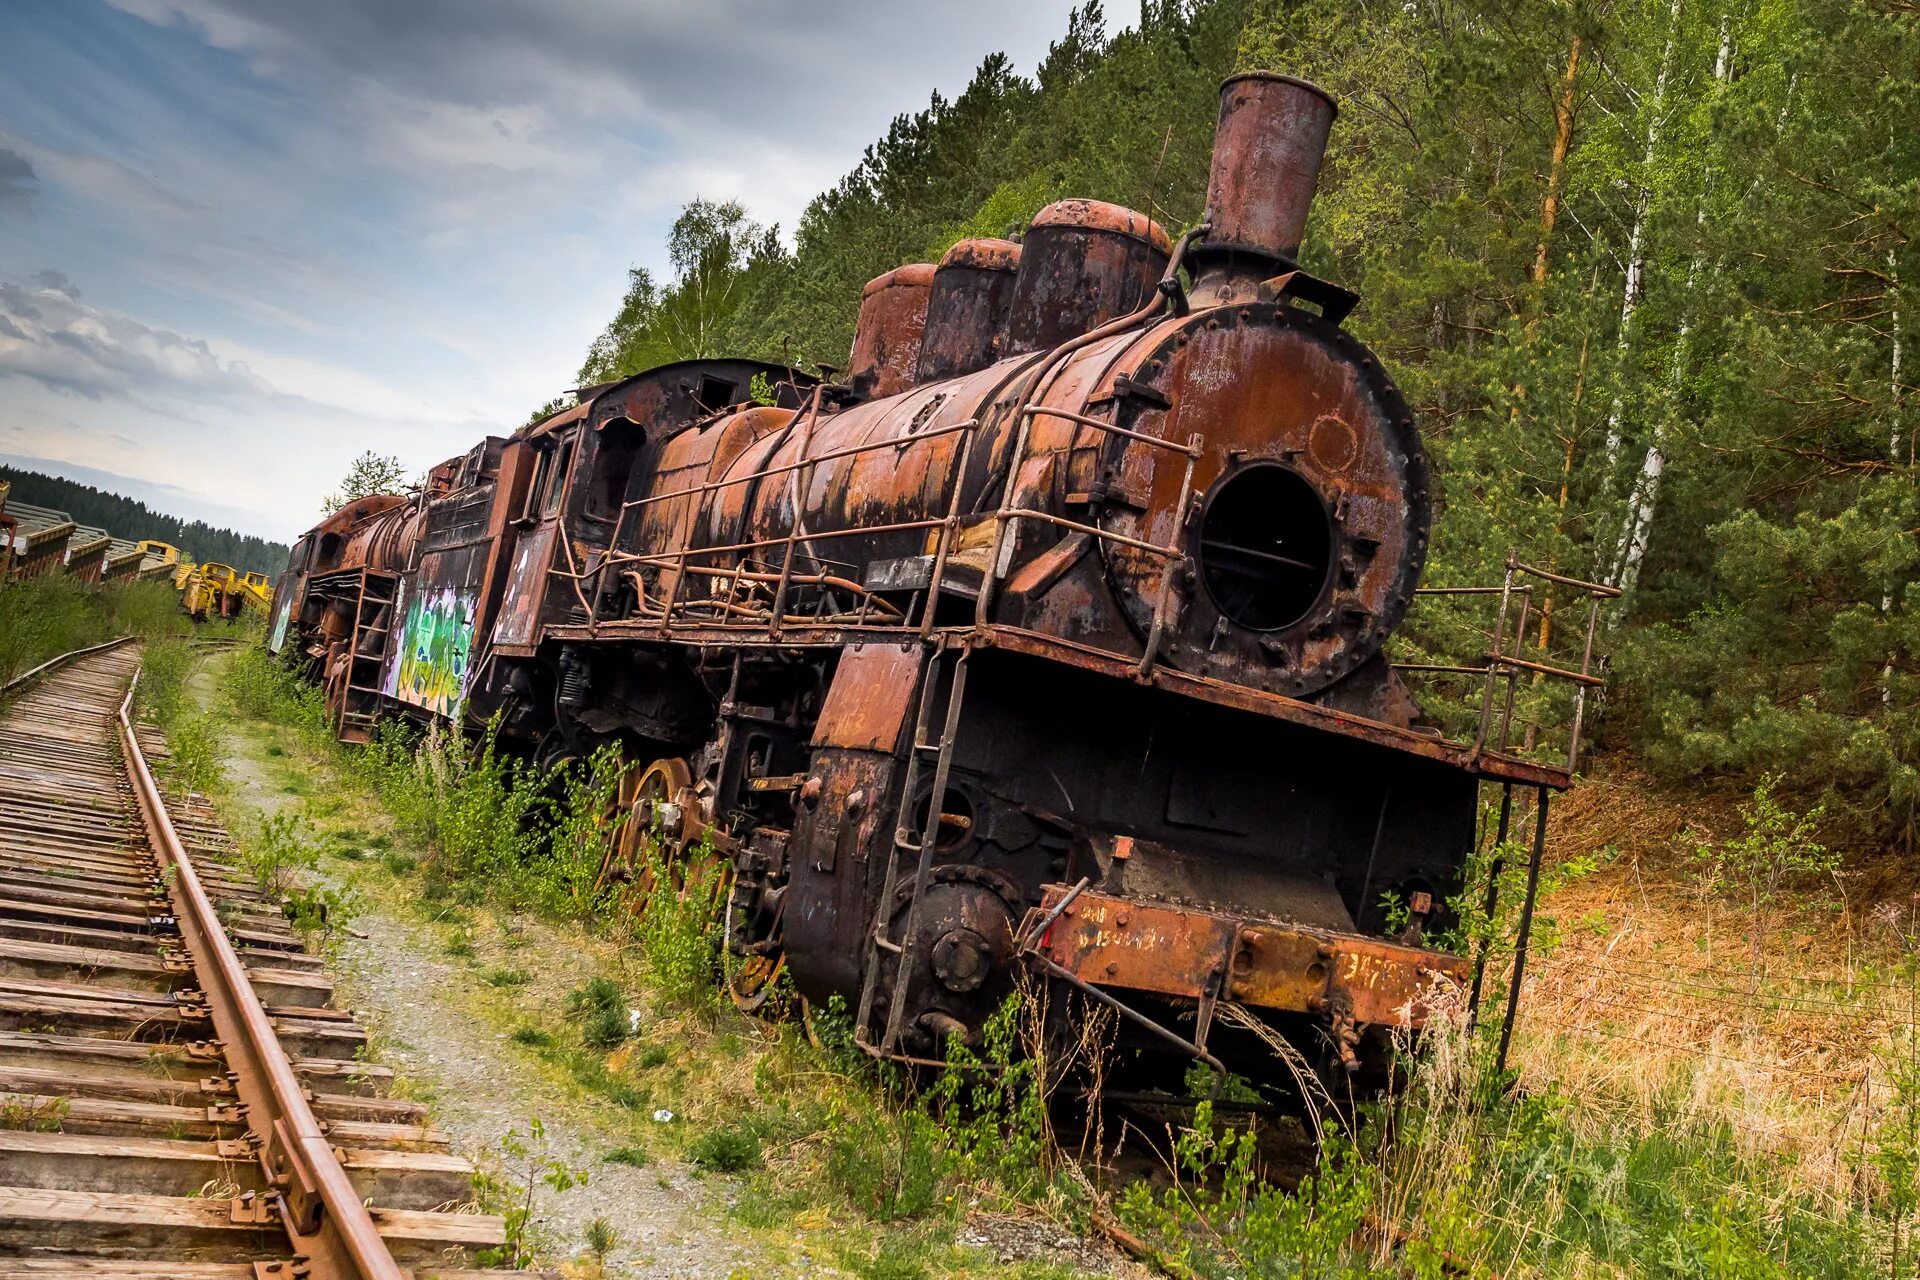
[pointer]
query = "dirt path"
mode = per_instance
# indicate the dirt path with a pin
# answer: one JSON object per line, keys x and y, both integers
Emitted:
{"x": 446, "y": 1034}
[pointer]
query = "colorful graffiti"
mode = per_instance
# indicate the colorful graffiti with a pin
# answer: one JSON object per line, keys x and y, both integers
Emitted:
{"x": 280, "y": 621}
{"x": 436, "y": 642}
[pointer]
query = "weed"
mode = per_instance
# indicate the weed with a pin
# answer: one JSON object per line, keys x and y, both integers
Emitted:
{"x": 33, "y": 1114}
{"x": 532, "y": 1037}
{"x": 277, "y": 848}
{"x": 1777, "y": 847}
{"x": 604, "y": 1028}
{"x": 515, "y": 1199}
{"x": 398, "y": 862}
{"x": 889, "y": 1165}
{"x": 316, "y": 910}
{"x": 679, "y": 929}
{"x": 734, "y": 1148}
{"x": 43, "y": 616}
{"x": 622, "y": 1094}
{"x": 632, "y": 1156}
{"x": 893, "y": 1259}
{"x": 461, "y": 947}
{"x": 654, "y": 1055}
{"x": 504, "y": 977}
{"x": 600, "y": 1008}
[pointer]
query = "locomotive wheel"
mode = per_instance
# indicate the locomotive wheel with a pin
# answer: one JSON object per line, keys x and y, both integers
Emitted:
{"x": 643, "y": 799}
{"x": 752, "y": 979}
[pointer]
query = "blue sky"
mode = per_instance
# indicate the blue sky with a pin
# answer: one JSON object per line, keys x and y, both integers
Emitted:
{"x": 243, "y": 240}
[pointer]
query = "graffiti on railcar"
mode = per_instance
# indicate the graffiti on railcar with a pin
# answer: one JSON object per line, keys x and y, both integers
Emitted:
{"x": 436, "y": 642}
{"x": 278, "y": 640}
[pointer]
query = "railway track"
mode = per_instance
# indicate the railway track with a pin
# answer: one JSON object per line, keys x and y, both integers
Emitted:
{"x": 179, "y": 1100}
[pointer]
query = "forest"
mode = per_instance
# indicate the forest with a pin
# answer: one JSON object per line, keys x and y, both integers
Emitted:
{"x": 125, "y": 518}
{"x": 1643, "y": 268}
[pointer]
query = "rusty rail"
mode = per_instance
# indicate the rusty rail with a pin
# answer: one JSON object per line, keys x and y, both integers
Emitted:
{"x": 324, "y": 1218}
{"x": 26, "y": 678}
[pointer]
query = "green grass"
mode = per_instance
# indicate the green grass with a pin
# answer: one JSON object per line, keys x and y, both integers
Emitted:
{"x": 41, "y": 618}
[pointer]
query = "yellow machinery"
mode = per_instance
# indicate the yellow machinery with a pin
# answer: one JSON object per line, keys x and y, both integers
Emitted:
{"x": 221, "y": 591}
{"x": 159, "y": 559}
{"x": 258, "y": 591}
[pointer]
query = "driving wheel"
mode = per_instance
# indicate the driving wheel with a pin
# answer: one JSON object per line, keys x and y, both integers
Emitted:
{"x": 653, "y": 810}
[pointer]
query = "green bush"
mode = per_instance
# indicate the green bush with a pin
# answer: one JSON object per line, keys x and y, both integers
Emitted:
{"x": 679, "y": 931}
{"x": 734, "y": 1148}
{"x": 889, "y": 1165}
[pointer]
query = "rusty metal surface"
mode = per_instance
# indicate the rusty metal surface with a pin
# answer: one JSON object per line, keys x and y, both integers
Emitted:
{"x": 886, "y": 338}
{"x": 1083, "y": 262}
{"x": 967, "y": 309}
{"x": 1116, "y": 942}
{"x": 867, "y": 704}
{"x": 1266, "y": 160}
{"x": 321, "y": 1212}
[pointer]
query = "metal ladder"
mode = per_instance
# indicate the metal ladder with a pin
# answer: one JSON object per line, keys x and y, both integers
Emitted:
{"x": 917, "y": 844}
{"x": 372, "y": 631}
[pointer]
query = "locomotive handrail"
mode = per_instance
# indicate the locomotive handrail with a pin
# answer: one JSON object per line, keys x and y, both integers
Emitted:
{"x": 1191, "y": 448}
{"x": 1036, "y": 385}
{"x": 1504, "y": 660}
{"x": 677, "y": 559}
{"x": 1152, "y": 548}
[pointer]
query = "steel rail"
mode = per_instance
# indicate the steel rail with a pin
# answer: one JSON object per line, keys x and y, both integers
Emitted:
{"x": 21, "y": 681}
{"x": 324, "y": 1217}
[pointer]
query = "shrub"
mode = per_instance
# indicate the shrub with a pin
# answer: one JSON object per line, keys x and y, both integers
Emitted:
{"x": 733, "y": 1148}
{"x": 679, "y": 931}
{"x": 887, "y": 1165}
{"x": 600, "y": 1007}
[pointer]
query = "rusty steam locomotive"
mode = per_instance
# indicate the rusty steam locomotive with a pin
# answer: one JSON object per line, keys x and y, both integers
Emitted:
{"x": 1047, "y": 638}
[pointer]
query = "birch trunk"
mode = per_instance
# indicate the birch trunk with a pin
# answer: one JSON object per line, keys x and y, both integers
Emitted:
{"x": 1635, "y": 286}
{"x": 1637, "y": 530}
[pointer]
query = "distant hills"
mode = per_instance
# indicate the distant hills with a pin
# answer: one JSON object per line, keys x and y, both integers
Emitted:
{"x": 126, "y": 518}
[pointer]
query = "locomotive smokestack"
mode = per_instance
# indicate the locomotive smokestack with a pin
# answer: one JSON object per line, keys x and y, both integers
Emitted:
{"x": 1266, "y": 159}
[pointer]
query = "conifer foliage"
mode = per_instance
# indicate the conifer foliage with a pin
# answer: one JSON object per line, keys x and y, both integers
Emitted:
{"x": 1644, "y": 268}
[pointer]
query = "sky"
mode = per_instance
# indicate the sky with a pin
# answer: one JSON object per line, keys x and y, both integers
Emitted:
{"x": 243, "y": 240}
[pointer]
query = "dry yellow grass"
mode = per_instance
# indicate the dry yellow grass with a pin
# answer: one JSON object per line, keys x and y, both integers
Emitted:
{"x": 1664, "y": 1004}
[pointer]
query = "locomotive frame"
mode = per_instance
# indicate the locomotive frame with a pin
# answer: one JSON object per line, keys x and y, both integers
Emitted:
{"x": 876, "y": 639}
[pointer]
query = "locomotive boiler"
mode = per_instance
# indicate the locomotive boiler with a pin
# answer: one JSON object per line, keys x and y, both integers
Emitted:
{"x": 1047, "y": 640}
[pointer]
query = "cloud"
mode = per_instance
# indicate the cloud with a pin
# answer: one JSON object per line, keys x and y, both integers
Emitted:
{"x": 49, "y": 336}
{"x": 56, "y": 281}
{"x": 18, "y": 181}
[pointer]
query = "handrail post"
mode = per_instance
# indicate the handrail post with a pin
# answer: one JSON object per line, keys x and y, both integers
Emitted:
{"x": 1499, "y": 639}
{"x": 797, "y": 488}
{"x": 950, "y": 527}
{"x": 1172, "y": 560}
